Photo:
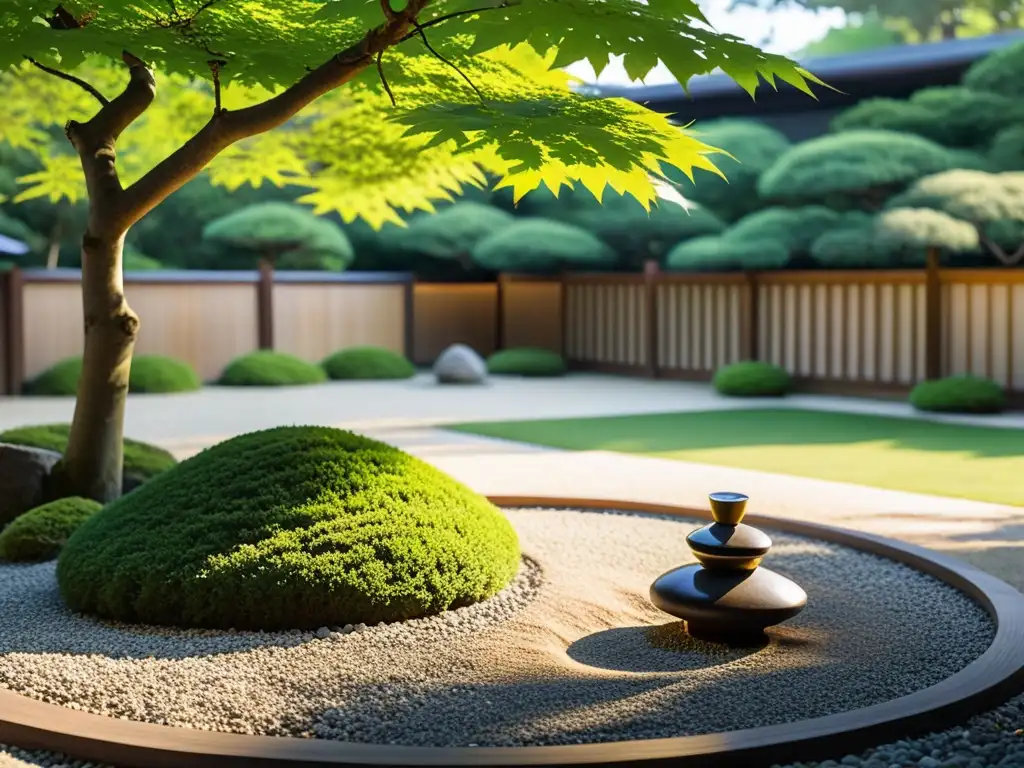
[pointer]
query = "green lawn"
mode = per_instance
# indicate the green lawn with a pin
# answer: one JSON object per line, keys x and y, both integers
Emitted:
{"x": 983, "y": 463}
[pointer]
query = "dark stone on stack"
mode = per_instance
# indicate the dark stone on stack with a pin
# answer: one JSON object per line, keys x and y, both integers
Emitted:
{"x": 727, "y": 597}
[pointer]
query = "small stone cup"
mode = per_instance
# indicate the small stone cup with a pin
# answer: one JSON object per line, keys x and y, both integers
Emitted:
{"x": 727, "y": 507}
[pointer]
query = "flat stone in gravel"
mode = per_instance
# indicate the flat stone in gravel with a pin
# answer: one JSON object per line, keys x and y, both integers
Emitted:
{"x": 572, "y": 652}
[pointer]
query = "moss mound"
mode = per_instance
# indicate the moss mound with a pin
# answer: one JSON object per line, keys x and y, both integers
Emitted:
{"x": 266, "y": 368}
{"x": 959, "y": 394}
{"x": 293, "y": 527}
{"x": 59, "y": 380}
{"x": 142, "y": 461}
{"x": 150, "y": 374}
{"x": 368, "y": 363}
{"x": 527, "y": 361}
{"x": 41, "y": 533}
{"x": 752, "y": 378}
{"x": 154, "y": 374}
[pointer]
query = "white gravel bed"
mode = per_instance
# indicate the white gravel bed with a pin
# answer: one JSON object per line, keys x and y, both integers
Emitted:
{"x": 572, "y": 652}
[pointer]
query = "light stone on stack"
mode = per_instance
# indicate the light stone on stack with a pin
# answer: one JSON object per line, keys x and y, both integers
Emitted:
{"x": 460, "y": 364}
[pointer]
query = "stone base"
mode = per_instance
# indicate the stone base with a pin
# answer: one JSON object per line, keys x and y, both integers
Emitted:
{"x": 727, "y": 604}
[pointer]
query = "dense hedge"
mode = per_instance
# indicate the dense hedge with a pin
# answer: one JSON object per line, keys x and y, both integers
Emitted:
{"x": 142, "y": 461}
{"x": 150, "y": 374}
{"x": 752, "y": 378}
{"x": 266, "y": 368}
{"x": 290, "y": 528}
{"x": 959, "y": 394}
{"x": 368, "y": 362}
{"x": 41, "y": 533}
{"x": 527, "y": 361}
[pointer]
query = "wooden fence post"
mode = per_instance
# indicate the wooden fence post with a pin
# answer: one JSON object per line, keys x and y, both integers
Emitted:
{"x": 563, "y": 308}
{"x": 751, "y": 331}
{"x": 265, "y": 305}
{"x": 410, "y": 317}
{"x": 14, "y": 324}
{"x": 499, "y": 312}
{"x": 933, "y": 316}
{"x": 652, "y": 271}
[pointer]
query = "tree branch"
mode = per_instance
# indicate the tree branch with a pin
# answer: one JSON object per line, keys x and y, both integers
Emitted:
{"x": 229, "y": 127}
{"x": 456, "y": 14}
{"x": 90, "y": 89}
{"x": 452, "y": 64}
{"x": 95, "y": 142}
{"x": 1008, "y": 259}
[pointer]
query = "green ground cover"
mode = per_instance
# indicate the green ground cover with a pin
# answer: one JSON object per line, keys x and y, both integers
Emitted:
{"x": 971, "y": 462}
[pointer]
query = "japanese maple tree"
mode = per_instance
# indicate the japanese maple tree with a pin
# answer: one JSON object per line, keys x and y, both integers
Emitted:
{"x": 378, "y": 107}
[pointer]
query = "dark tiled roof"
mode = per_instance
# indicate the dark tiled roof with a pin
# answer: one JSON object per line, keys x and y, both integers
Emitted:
{"x": 895, "y": 71}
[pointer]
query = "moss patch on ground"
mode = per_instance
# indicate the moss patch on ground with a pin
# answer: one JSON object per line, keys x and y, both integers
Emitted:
{"x": 290, "y": 528}
{"x": 41, "y": 533}
{"x": 970, "y": 462}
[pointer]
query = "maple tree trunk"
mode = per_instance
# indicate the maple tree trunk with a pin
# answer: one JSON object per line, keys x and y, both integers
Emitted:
{"x": 92, "y": 464}
{"x": 53, "y": 249}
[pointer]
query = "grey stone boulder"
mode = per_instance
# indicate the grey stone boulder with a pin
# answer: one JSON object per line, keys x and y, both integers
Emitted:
{"x": 23, "y": 475}
{"x": 459, "y": 364}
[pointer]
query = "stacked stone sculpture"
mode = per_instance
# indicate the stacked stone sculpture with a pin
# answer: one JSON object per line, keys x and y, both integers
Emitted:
{"x": 727, "y": 596}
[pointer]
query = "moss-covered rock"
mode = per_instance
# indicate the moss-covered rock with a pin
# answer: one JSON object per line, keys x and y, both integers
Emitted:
{"x": 959, "y": 394}
{"x": 527, "y": 361}
{"x": 41, "y": 533}
{"x": 142, "y": 461}
{"x": 150, "y": 374}
{"x": 267, "y": 368}
{"x": 368, "y": 362}
{"x": 294, "y": 527}
{"x": 752, "y": 378}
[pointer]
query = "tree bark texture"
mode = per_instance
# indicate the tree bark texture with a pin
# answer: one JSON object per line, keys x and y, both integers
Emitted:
{"x": 92, "y": 465}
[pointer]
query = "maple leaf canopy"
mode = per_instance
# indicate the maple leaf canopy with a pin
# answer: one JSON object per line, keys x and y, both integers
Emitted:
{"x": 475, "y": 89}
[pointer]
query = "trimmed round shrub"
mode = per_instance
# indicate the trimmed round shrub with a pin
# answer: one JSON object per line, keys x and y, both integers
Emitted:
{"x": 142, "y": 461}
{"x": 752, "y": 378}
{"x": 754, "y": 148}
{"x": 59, "y": 380}
{"x": 953, "y": 116}
{"x": 135, "y": 261}
{"x": 368, "y": 362}
{"x": 290, "y": 528}
{"x": 527, "y": 361}
{"x": 150, "y": 374}
{"x": 452, "y": 232}
{"x": 266, "y": 368}
{"x": 292, "y": 236}
{"x": 999, "y": 72}
{"x": 959, "y": 394}
{"x": 541, "y": 247}
{"x": 865, "y": 166}
{"x": 637, "y": 235}
{"x": 1006, "y": 153}
{"x": 153, "y": 374}
{"x": 768, "y": 239}
{"x": 41, "y": 533}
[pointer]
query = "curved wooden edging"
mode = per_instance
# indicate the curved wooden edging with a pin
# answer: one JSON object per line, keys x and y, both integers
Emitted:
{"x": 984, "y": 683}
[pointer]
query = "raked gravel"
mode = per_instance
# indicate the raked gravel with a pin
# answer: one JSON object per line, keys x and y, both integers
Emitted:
{"x": 571, "y": 652}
